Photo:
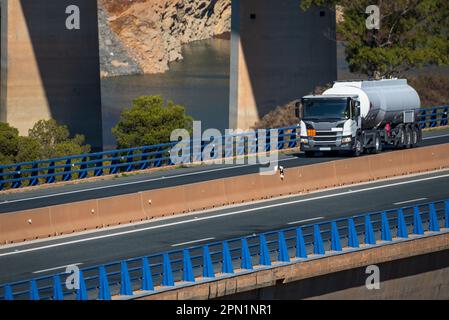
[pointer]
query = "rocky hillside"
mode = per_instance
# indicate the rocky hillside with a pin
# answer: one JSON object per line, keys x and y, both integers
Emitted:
{"x": 145, "y": 35}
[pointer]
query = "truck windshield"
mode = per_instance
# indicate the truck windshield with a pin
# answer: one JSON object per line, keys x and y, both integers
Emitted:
{"x": 326, "y": 109}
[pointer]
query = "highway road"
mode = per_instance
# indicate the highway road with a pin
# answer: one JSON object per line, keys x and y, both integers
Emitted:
{"x": 24, "y": 261}
{"x": 41, "y": 197}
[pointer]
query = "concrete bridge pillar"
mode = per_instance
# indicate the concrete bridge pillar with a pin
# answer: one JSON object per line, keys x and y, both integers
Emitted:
{"x": 278, "y": 54}
{"x": 50, "y": 65}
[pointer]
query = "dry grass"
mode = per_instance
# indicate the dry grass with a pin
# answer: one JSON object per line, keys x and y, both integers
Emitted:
{"x": 432, "y": 89}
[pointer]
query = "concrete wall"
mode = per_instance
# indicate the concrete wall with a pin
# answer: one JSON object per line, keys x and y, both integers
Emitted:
{"x": 48, "y": 71}
{"x": 278, "y": 54}
{"x": 420, "y": 277}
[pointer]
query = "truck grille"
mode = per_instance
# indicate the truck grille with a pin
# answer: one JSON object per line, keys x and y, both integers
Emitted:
{"x": 324, "y": 137}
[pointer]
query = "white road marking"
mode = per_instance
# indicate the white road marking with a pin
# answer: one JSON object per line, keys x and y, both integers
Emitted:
{"x": 191, "y": 242}
{"x": 131, "y": 183}
{"x": 306, "y": 220}
{"x": 56, "y": 268}
{"x": 409, "y": 201}
{"x": 436, "y": 137}
{"x": 225, "y": 214}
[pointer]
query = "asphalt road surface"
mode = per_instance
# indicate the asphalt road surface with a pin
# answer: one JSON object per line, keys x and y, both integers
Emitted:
{"x": 43, "y": 197}
{"x": 44, "y": 257}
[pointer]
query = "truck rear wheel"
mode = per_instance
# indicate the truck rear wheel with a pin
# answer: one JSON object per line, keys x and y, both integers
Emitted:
{"x": 415, "y": 137}
{"x": 399, "y": 140}
{"x": 408, "y": 138}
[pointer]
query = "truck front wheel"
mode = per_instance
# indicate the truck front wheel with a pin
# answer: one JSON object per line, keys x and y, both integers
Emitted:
{"x": 377, "y": 145}
{"x": 358, "y": 149}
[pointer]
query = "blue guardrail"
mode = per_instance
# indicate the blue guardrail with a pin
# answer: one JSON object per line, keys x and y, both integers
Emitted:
{"x": 79, "y": 167}
{"x": 221, "y": 259}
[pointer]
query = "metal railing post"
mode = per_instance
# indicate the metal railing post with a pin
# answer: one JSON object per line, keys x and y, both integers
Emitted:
{"x": 147, "y": 278}
{"x": 208, "y": 268}
{"x": 386, "y": 232}
{"x": 402, "y": 227}
{"x": 264, "y": 255}
{"x": 226, "y": 266}
{"x": 104, "y": 290}
{"x": 335, "y": 237}
{"x": 301, "y": 251}
{"x": 318, "y": 246}
{"x": 369, "y": 232}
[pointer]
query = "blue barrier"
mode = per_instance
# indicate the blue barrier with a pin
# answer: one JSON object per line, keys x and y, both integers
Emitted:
{"x": 81, "y": 292}
{"x": 446, "y": 205}
{"x": 167, "y": 274}
{"x": 7, "y": 295}
{"x": 208, "y": 269}
{"x": 125, "y": 281}
{"x": 301, "y": 251}
{"x": 433, "y": 223}
{"x": 353, "y": 240}
{"x": 417, "y": 222}
{"x": 246, "y": 256}
{"x": 57, "y": 289}
{"x": 402, "y": 228}
{"x": 227, "y": 260}
{"x": 335, "y": 237}
{"x": 385, "y": 229}
{"x": 263, "y": 248}
{"x": 147, "y": 279}
{"x": 187, "y": 268}
{"x": 105, "y": 292}
{"x": 188, "y": 264}
{"x": 34, "y": 292}
{"x": 282, "y": 248}
{"x": 97, "y": 164}
{"x": 369, "y": 232}
{"x": 318, "y": 247}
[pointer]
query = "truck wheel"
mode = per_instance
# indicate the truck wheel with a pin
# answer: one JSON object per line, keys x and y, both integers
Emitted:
{"x": 408, "y": 138}
{"x": 377, "y": 145}
{"x": 415, "y": 137}
{"x": 358, "y": 149}
{"x": 399, "y": 142}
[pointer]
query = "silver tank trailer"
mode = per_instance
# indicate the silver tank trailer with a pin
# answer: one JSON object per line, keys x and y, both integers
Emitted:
{"x": 381, "y": 101}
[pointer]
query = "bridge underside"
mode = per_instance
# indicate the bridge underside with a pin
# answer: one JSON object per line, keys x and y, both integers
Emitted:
{"x": 49, "y": 71}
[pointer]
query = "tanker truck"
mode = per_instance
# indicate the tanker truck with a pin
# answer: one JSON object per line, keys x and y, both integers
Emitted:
{"x": 360, "y": 116}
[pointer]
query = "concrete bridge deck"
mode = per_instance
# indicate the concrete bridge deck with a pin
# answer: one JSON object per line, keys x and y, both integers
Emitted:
{"x": 417, "y": 268}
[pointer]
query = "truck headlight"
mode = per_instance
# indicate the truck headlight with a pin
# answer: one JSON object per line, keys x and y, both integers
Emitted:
{"x": 304, "y": 141}
{"x": 346, "y": 140}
